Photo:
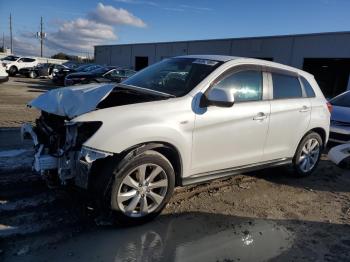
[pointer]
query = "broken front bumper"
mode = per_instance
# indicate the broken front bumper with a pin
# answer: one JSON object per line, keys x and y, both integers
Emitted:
{"x": 339, "y": 153}
{"x": 67, "y": 165}
{"x": 42, "y": 161}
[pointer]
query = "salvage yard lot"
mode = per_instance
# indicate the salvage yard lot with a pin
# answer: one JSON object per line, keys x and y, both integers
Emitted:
{"x": 264, "y": 215}
{"x": 14, "y": 95}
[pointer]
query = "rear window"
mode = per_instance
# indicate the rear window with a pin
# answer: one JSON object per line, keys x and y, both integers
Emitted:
{"x": 342, "y": 100}
{"x": 285, "y": 86}
{"x": 308, "y": 88}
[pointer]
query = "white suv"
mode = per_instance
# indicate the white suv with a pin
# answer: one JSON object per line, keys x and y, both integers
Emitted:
{"x": 181, "y": 121}
{"x": 14, "y": 63}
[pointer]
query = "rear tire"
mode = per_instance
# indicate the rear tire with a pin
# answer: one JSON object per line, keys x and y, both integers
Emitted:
{"x": 138, "y": 189}
{"x": 13, "y": 71}
{"x": 308, "y": 154}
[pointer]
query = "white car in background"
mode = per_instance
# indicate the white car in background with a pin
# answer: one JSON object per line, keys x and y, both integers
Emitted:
{"x": 184, "y": 120}
{"x": 14, "y": 63}
{"x": 3, "y": 74}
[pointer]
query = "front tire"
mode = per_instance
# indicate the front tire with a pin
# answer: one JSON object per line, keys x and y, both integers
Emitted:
{"x": 142, "y": 186}
{"x": 308, "y": 155}
{"x": 13, "y": 71}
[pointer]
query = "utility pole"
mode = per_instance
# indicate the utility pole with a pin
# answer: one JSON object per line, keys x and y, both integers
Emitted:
{"x": 11, "y": 33}
{"x": 41, "y": 35}
{"x": 3, "y": 41}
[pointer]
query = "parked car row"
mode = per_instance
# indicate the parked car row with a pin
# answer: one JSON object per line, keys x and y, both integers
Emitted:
{"x": 64, "y": 74}
{"x": 99, "y": 75}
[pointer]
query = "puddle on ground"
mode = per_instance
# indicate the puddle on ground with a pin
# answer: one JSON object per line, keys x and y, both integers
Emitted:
{"x": 187, "y": 237}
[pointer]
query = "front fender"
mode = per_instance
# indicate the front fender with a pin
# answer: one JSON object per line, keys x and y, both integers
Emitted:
{"x": 109, "y": 140}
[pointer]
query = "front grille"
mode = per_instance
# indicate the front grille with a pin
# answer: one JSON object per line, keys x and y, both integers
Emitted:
{"x": 337, "y": 136}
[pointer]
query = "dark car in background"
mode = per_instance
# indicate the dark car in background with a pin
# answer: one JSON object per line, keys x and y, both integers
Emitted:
{"x": 41, "y": 70}
{"x": 59, "y": 76}
{"x": 100, "y": 75}
{"x": 340, "y": 118}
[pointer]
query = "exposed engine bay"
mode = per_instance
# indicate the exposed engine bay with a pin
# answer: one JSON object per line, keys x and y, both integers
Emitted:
{"x": 60, "y": 156}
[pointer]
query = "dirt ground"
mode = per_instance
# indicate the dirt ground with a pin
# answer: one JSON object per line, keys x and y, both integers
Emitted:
{"x": 267, "y": 215}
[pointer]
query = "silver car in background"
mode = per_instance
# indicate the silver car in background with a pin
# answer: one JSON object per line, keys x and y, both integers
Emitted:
{"x": 340, "y": 118}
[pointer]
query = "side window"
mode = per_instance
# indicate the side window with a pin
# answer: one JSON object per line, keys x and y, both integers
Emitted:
{"x": 114, "y": 73}
{"x": 21, "y": 60}
{"x": 285, "y": 86}
{"x": 246, "y": 85}
{"x": 308, "y": 88}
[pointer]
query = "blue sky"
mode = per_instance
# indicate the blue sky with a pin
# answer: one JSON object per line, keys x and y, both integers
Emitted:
{"x": 75, "y": 26}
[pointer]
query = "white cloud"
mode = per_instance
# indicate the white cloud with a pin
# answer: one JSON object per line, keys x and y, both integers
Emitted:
{"x": 108, "y": 14}
{"x": 20, "y": 47}
{"x": 80, "y": 35}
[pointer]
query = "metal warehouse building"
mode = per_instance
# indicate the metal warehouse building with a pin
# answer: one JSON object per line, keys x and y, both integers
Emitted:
{"x": 326, "y": 55}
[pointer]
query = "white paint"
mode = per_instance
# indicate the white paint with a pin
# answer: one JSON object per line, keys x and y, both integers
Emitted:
{"x": 214, "y": 138}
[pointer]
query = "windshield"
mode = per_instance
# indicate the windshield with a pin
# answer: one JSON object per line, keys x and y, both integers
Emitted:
{"x": 175, "y": 76}
{"x": 101, "y": 70}
{"x": 342, "y": 100}
{"x": 81, "y": 68}
{"x": 10, "y": 58}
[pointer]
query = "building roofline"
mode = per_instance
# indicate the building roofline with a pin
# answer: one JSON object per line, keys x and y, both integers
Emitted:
{"x": 228, "y": 39}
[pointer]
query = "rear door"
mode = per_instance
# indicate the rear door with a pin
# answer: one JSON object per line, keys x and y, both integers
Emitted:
{"x": 290, "y": 115}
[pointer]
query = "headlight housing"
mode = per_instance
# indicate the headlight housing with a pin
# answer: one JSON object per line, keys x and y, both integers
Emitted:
{"x": 91, "y": 154}
{"x": 86, "y": 130}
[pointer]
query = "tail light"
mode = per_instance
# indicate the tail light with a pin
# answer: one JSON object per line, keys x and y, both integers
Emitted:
{"x": 330, "y": 107}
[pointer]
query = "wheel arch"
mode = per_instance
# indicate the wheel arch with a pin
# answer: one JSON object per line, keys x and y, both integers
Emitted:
{"x": 15, "y": 67}
{"x": 321, "y": 132}
{"x": 166, "y": 149}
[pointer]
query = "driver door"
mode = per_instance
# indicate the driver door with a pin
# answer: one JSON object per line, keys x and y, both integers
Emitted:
{"x": 230, "y": 137}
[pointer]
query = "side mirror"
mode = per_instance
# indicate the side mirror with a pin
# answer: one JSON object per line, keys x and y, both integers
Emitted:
{"x": 220, "y": 97}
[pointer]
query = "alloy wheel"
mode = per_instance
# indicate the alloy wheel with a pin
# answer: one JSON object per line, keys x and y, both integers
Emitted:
{"x": 142, "y": 190}
{"x": 309, "y": 155}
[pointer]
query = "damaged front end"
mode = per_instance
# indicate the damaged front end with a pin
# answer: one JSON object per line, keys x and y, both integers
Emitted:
{"x": 60, "y": 156}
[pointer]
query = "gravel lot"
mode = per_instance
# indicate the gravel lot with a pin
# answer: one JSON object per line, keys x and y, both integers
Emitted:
{"x": 260, "y": 216}
{"x": 15, "y": 94}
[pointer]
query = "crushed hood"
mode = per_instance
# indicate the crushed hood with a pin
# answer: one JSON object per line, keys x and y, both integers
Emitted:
{"x": 72, "y": 101}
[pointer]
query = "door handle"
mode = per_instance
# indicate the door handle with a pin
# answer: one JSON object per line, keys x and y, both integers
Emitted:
{"x": 260, "y": 116}
{"x": 304, "y": 109}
